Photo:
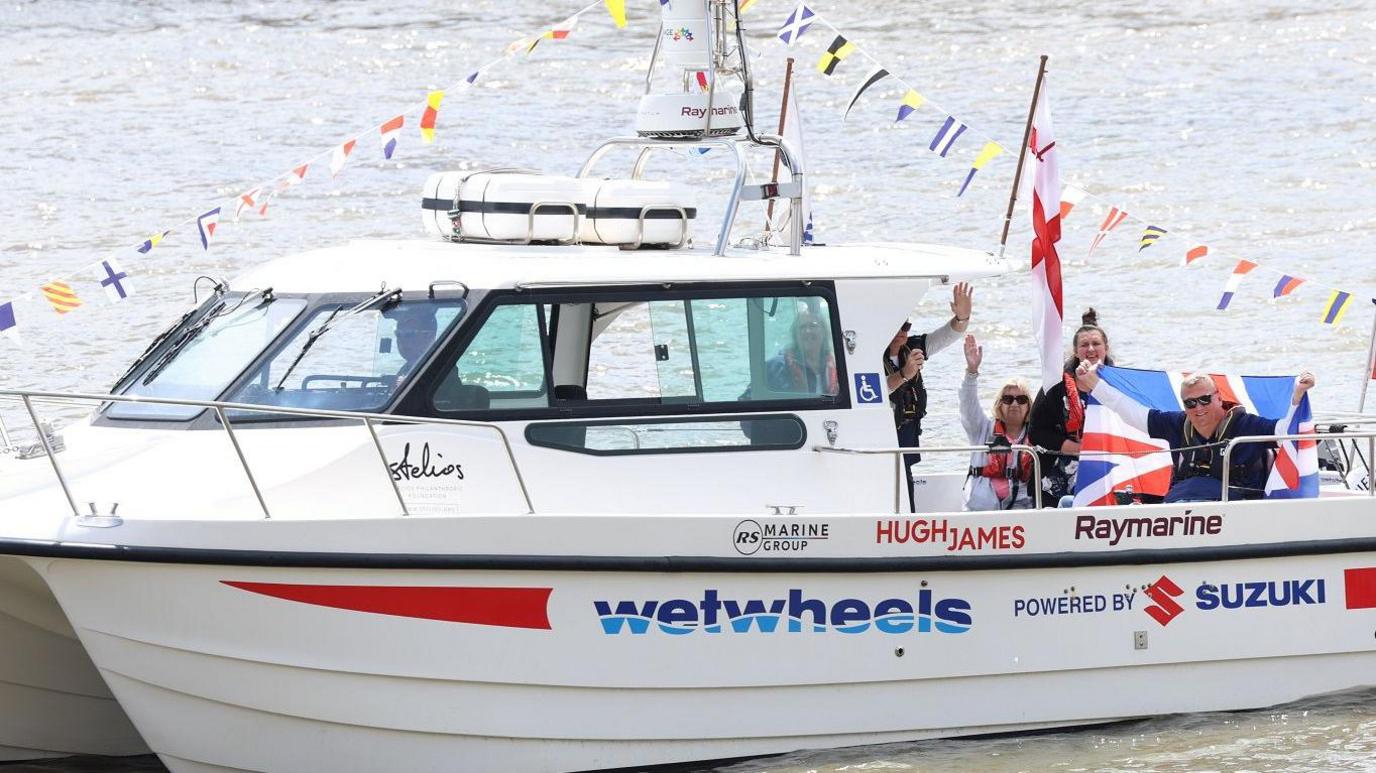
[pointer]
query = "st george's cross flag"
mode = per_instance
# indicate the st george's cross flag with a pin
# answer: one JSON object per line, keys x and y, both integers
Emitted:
{"x": 1048, "y": 302}
{"x": 1116, "y": 451}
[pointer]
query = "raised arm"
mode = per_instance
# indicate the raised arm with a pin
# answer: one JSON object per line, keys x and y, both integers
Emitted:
{"x": 976, "y": 423}
{"x": 962, "y": 306}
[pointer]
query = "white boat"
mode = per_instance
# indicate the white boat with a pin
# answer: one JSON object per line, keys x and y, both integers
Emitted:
{"x": 547, "y": 507}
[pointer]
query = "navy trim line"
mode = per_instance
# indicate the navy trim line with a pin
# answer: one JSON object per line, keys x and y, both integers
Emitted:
{"x": 731, "y": 565}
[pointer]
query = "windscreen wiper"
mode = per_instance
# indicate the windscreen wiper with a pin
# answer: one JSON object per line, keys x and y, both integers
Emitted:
{"x": 386, "y": 297}
{"x": 194, "y": 331}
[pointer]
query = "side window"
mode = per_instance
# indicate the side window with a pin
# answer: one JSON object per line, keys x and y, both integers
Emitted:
{"x": 659, "y": 436}
{"x": 789, "y": 354}
{"x": 503, "y": 367}
{"x": 644, "y": 351}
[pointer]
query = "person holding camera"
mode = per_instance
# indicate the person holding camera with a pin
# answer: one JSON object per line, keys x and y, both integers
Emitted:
{"x": 903, "y": 362}
{"x": 999, "y": 480}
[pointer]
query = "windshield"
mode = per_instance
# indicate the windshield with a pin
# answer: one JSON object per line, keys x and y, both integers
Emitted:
{"x": 356, "y": 364}
{"x": 204, "y": 356}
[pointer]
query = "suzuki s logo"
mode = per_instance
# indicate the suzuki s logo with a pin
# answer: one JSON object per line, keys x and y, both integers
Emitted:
{"x": 1164, "y": 593}
{"x": 747, "y": 537}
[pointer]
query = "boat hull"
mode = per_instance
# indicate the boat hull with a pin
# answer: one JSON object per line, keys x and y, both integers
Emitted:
{"x": 333, "y": 668}
{"x": 53, "y": 702}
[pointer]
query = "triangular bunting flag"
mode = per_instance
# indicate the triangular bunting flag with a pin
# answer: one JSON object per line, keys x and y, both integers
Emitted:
{"x": 152, "y": 242}
{"x": 1286, "y": 285}
{"x": 1070, "y": 196}
{"x": 1149, "y": 236}
{"x": 206, "y": 225}
{"x": 1194, "y": 254}
{"x": 911, "y": 102}
{"x": 341, "y": 157}
{"x": 1241, "y": 270}
{"x": 876, "y": 75}
{"x": 990, "y": 151}
{"x": 245, "y": 201}
{"x": 1114, "y": 219}
{"x": 617, "y": 8}
{"x": 432, "y": 112}
{"x": 390, "y": 131}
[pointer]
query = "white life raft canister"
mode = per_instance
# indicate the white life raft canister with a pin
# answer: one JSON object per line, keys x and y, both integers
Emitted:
{"x": 504, "y": 206}
{"x": 498, "y": 206}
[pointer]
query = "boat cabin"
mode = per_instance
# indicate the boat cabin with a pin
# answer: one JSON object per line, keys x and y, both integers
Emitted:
{"x": 671, "y": 382}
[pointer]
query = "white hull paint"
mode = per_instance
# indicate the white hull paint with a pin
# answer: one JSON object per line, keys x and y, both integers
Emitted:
{"x": 326, "y": 684}
{"x": 53, "y": 702}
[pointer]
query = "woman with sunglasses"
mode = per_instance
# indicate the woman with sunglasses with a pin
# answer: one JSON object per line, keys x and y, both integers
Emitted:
{"x": 1058, "y": 416}
{"x": 998, "y": 480}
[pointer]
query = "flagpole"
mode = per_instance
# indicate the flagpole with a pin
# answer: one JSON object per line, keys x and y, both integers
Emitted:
{"x": 1370, "y": 364}
{"x": 1022, "y": 155}
{"x": 778, "y": 154}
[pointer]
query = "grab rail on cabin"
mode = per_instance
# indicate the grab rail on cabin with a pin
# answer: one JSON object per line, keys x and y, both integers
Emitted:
{"x": 1370, "y": 438}
{"x": 221, "y": 408}
{"x": 899, "y": 478}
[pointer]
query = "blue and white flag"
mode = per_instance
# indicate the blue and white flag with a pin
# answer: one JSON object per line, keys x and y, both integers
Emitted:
{"x": 1117, "y": 452}
{"x": 946, "y": 137}
{"x": 113, "y": 280}
{"x": 8, "y": 327}
{"x": 796, "y": 24}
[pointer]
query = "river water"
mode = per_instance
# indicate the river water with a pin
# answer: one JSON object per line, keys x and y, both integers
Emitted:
{"x": 1241, "y": 124}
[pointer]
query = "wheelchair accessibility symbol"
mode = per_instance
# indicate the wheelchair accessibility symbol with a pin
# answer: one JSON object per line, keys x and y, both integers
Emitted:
{"x": 867, "y": 388}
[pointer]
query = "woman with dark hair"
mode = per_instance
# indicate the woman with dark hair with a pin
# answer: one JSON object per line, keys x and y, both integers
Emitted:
{"x": 1058, "y": 416}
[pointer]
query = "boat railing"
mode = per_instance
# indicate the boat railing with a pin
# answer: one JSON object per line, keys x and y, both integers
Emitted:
{"x": 1369, "y": 437}
{"x": 740, "y": 191}
{"x": 222, "y": 409}
{"x": 898, "y": 453}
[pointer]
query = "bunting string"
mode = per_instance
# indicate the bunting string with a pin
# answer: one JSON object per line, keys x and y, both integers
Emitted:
{"x": 62, "y": 297}
{"x": 949, "y": 130}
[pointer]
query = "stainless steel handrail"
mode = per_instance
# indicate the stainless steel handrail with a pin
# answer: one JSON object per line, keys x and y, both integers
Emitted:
{"x": 1316, "y": 437}
{"x": 221, "y": 407}
{"x": 898, "y": 464}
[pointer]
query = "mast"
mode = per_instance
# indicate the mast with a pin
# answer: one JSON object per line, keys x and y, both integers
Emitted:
{"x": 1022, "y": 154}
{"x": 778, "y": 154}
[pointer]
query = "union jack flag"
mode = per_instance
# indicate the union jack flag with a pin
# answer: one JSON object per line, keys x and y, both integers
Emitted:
{"x": 1125, "y": 455}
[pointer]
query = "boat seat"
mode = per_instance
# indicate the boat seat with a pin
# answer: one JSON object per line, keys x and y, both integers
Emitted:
{"x": 456, "y": 396}
{"x": 576, "y": 437}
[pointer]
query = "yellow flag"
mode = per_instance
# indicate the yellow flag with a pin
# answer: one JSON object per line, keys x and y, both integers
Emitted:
{"x": 617, "y": 8}
{"x": 432, "y": 112}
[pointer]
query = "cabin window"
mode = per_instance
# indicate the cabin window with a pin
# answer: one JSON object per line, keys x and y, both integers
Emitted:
{"x": 198, "y": 360}
{"x": 357, "y": 360}
{"x": 659, "y": 436}
{"x": 647, "y": 351}
{"x": 503, "y": 366}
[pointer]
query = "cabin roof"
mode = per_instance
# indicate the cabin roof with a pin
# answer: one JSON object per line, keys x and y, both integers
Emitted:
{"x": 365, "y": 265}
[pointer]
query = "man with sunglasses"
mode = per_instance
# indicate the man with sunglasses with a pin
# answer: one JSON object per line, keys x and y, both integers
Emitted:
{"x": 1200, "y": 432}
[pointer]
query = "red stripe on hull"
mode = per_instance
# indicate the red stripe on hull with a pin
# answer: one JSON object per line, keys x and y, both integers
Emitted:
{"x": 1360, "y": 587}
{"x": 504, "y": 607}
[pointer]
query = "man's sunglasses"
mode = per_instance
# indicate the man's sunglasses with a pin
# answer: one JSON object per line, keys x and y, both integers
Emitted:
{"x": 1191, "y": 402}
{"x": 1010, "y": 399}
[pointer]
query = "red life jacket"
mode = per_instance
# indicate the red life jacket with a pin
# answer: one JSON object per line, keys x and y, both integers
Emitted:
{"x": 1075, "y": 406}
{"x": 795, "y": 372}
{"x": 996, "y": 469}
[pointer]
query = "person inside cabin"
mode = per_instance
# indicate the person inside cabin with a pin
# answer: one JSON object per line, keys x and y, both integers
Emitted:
{"x": 416, "y": 328}
{"x": 808, "y": 363}
{"x": 1200, "y": 431}
{"x": 997, "y": 480}
{"x": 903, "y": 361}
{"x": 1058, "y": 415}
